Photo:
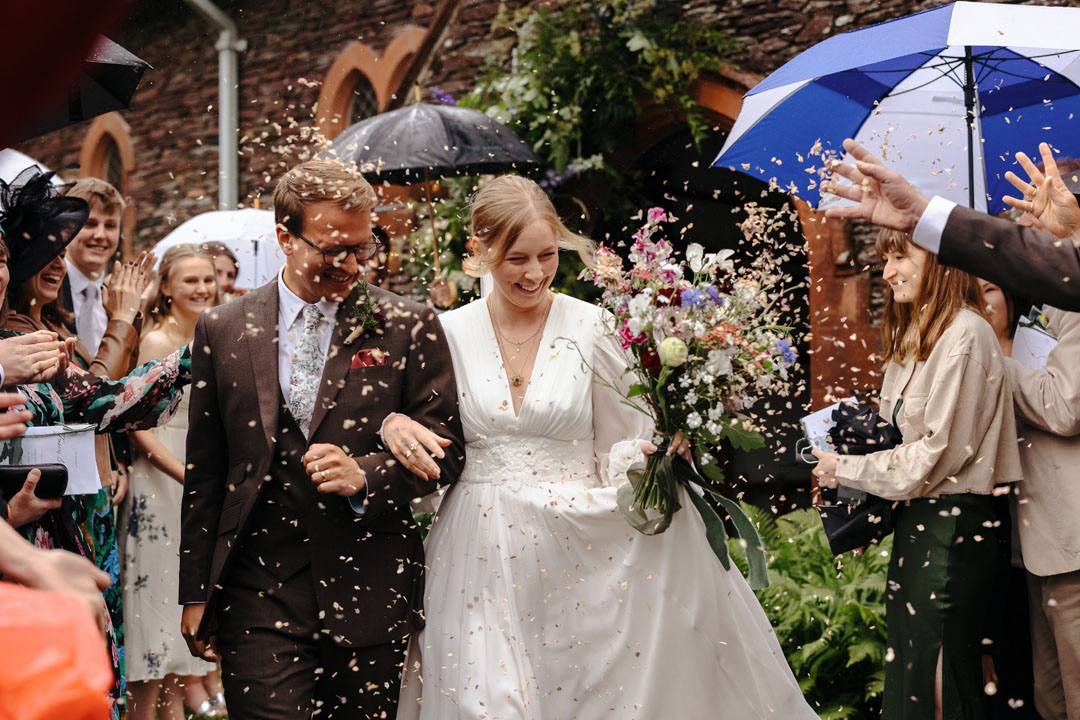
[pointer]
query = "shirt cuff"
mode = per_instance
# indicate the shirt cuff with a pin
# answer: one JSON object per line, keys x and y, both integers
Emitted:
{"x": 847, "y": 470}
{"x": 358, "y": 502}
{"x": 931, "y": 225}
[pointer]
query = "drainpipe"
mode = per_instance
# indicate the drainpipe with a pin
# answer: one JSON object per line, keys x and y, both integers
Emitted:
{"x": 229, "y": 43}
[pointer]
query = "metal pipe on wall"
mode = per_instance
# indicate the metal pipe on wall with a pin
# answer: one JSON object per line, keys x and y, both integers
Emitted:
{"x": 228, "y": 45}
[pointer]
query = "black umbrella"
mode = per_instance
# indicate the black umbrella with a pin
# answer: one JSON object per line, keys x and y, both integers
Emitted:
{"x": 421, "y": 141}
{"x": 107, "y": 82}
{"x": 398, "y": 146}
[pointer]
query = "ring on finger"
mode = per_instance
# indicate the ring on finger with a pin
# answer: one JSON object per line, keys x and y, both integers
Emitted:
{"x": 413, "y": 446}
{"x": 409, "y": 453}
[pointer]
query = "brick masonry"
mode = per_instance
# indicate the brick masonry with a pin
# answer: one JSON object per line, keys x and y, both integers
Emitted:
{"x": 292, "y": 44}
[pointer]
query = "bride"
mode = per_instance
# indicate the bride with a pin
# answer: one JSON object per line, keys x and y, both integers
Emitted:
{"x": 542, "y": 603}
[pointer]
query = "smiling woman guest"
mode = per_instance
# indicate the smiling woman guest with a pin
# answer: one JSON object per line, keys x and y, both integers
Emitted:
{"x": 37, "y": 305}
{"x": 161, "y": 673}
{"x": 946, "y": 390}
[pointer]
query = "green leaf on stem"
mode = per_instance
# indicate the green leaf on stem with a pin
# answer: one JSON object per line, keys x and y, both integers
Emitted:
{"x": 714, "y": 527}
{"x": 740, "y": 436}
{"x": 710, "y": 470}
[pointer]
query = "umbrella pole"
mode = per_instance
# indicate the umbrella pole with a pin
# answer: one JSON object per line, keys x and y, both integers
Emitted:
{"x": 431, "y": 214}
{"x": 969, "y": 104}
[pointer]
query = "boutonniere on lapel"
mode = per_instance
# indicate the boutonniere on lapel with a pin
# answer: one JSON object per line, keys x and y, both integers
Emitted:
{"x": 365, "y": 315}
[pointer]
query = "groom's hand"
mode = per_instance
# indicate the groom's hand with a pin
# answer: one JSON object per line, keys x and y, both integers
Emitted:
{"x": 189, "y": 626}
{"x": 333, "y": 471}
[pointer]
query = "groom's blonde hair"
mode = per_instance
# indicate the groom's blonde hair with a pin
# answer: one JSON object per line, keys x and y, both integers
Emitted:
{"x": 500, "y": 213}
{"x": 317, "y": 181}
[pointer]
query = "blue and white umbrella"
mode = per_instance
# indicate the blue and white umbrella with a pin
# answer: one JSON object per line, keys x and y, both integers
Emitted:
{"x": 946, "y": 96}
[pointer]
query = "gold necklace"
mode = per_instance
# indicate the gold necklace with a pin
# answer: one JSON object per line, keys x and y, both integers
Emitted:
{"x": 516, "y": 380}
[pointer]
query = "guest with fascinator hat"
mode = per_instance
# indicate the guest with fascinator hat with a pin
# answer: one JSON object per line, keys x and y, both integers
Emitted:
{"x": 39, "y": 222}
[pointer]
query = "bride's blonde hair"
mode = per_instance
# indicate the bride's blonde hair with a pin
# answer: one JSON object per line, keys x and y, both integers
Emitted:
{"x": 500, "y": 213}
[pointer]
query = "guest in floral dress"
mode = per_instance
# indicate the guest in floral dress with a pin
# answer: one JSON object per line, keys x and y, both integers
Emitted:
{"x": 38, "y": 222}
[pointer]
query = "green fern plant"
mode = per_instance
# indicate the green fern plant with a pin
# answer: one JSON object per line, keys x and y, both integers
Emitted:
{"x": 829, "y": 613}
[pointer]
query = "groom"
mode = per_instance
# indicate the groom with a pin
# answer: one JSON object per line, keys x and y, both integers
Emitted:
{"x": 300, "y": 564}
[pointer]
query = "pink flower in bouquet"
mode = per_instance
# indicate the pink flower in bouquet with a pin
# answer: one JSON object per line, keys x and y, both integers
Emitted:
{"x": 628, "y": 337}
{"x": 670, "y": 274}
{"x": 656, "y": 215}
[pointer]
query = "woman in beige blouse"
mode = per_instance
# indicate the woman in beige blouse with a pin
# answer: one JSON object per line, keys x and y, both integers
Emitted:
{"x": 945, "y": 389}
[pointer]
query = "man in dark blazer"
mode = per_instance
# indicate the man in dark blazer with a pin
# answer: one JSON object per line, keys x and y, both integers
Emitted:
{"x": 300, "y": 563}
{"x": 1020, "y": 260}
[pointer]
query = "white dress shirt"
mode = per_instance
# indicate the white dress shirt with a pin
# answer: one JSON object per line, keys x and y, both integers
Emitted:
{"x": 931, "y": 225}
{"x": 86, "y": 303}
{"x": 291, "y": 327}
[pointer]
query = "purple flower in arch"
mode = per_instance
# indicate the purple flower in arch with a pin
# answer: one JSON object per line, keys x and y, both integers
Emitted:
{"x": 443, "y": 98}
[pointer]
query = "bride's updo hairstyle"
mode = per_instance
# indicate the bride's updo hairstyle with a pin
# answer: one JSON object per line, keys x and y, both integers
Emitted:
{"x": 500, "y": 213}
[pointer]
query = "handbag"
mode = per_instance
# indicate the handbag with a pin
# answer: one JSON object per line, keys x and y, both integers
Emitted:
{"x": 853, "y": 518}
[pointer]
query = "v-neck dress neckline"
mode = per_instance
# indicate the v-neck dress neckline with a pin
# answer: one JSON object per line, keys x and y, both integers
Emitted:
{"x": 537, "y": 371}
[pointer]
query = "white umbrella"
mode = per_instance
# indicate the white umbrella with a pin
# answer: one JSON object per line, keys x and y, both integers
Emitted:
{"x": 13, "y": 162}
{"x": 249, "y": 233}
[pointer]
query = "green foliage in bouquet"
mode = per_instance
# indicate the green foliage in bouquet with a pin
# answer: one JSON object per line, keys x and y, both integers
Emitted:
{"x": 829, "y": 613}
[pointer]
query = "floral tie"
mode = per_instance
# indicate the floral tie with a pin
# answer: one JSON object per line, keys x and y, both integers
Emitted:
{"x": 306, "y": 370}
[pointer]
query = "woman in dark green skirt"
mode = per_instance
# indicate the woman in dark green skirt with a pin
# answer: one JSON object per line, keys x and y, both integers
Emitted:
{"x": 946, "y": 391}
{"x": 940, "y": 575}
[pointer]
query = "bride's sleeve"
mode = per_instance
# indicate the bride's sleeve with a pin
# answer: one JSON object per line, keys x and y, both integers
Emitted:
{"x": 618, "y": 428}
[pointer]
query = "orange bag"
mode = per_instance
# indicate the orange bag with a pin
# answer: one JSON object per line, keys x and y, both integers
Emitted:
{"x": 53, "y": 660}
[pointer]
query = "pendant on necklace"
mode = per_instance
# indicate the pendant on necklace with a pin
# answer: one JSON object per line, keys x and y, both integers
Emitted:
{"x": 516, "y": 381}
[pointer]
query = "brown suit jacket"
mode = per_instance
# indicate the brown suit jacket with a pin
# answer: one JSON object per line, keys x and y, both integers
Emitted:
{"x": 1021, "y": 261}
{"x": 367, "y": 569}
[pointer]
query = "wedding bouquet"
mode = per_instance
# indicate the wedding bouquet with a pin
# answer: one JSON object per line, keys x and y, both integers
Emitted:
{"x": 706, "y": 341}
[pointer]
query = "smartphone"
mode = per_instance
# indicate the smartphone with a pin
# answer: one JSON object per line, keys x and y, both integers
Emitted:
{"x": 52, "y": 485}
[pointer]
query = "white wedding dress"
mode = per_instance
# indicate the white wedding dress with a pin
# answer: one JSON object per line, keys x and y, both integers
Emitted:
{"x": 541, "y": 602}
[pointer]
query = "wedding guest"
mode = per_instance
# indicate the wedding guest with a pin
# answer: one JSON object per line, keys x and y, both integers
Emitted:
{"x": 161, "y": 673}
{"x": 1047, "y": 502}
{"x": 88, "y": 260}
{"x": 945, "y": 389}
{"x": 1007, "y": 658}
{"x": 225, "y": 265}
{"x": 39, "y": 223}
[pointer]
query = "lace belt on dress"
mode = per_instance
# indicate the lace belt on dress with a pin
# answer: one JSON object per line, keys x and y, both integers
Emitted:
{"x": 530, "y": 460}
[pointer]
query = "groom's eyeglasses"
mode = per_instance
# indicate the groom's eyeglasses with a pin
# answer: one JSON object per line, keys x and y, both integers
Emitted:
{"x": 336, "y": 255}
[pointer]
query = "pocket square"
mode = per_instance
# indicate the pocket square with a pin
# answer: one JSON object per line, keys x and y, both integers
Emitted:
{"x": 368, "y": 357}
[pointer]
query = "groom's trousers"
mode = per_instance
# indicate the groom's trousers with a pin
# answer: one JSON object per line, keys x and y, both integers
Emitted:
{"x": 278, "y": 664}
{"x": 278, "y": 661}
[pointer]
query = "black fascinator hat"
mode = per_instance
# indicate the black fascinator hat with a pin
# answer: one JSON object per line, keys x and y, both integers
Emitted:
{"x": 37, "y": 221}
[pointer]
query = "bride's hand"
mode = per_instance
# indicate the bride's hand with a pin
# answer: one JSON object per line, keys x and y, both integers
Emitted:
{"x": 411, "y": 443}
{"x": 679, "y": 445}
